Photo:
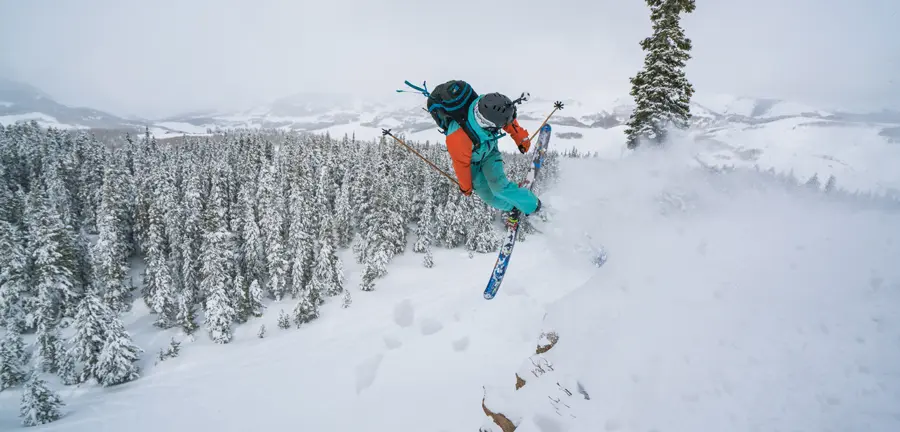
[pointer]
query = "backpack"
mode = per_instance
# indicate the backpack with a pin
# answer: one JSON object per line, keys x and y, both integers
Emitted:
{"x": 450, "y": 101}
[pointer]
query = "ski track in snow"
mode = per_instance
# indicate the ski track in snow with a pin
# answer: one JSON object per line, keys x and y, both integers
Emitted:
{"x": 461, "y": 344}
{"x": 404, "y": 314}
{"x": 392, "y": 342}
{"x": 676, "y": 338}
{"x": 367, "y": 371}
{"x": 431, "y": 326}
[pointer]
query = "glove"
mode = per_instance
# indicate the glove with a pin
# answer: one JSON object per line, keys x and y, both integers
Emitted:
{"x": 465, "y": 192}
{"x": 524, "y": 145}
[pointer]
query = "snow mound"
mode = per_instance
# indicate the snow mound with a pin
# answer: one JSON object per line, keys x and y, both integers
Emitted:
{"x": 729, "y": 303}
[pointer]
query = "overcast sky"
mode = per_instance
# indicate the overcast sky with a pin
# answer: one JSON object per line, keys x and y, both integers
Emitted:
{"x": 161, "y": 57}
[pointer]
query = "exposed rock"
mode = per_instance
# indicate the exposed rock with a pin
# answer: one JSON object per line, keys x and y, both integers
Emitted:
{"x": 547, "y": 341}
{"x": 501, "y": 420}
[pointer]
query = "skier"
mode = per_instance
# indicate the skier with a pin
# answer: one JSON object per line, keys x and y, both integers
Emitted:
{"x": 473, "y": 125}
{"x": 480, "y": 167}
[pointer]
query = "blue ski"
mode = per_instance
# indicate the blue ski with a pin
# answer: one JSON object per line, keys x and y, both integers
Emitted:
{"x": 506, "y": 249}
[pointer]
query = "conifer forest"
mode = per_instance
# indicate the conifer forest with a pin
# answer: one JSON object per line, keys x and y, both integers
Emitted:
{"x": 207, "y": 232}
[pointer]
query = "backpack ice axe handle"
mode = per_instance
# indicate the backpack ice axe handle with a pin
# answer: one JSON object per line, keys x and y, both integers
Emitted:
{"x": 387, "y": 132}
{"x": 558, "y": 105}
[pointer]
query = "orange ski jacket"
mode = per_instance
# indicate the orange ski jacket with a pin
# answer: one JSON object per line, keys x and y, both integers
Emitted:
{"x": 460, "y": 147}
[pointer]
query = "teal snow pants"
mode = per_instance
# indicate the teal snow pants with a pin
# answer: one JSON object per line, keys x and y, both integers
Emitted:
{"x": 490, "y": 183}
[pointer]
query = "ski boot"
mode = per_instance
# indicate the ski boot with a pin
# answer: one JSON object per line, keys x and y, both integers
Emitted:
{"x": 512, "y": 218}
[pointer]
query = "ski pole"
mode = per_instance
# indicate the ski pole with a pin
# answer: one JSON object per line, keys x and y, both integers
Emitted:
{"x": 388, "y": 133}
{"x": 556, "y": 106}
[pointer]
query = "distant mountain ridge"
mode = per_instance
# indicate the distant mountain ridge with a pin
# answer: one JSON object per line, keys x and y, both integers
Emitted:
{"x": 19, "y": 101}
{"x": 320, "y": 112}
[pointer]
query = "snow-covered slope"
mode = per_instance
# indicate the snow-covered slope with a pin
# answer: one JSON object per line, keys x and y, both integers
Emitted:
{"x": 728, "y": 303}
{"x": 859, "y": 156}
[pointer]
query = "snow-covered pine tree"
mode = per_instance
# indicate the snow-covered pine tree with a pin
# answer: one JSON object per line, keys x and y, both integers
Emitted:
{"x": 110, "y": 250}
{"x": 481, "y": 235}
{"x": 117, "y": 363}
{"x": 241, "y": 290}
{"x": 91, "y": 161}
{"x": 661, "y": 90}
{"x": 307, "y": 308}
{"x": 145, "y": 182}
{"x": 192, "y": 210}
{"x": 58, "y": 195}
{"x": 343, "y": 212}
{"x": 160, "y": 292}
{"x": 47, "y": 344}
{"x": 252, "y": 247}
{"x": 451, "y": 226}
{"x": 40, "y": 405}
{"x": 830, "y": 184}
{"x": 271, "y": 219}
{"x": 169, "y": 201}
{"x": 52, "y": 275}
{"x": 362, "y": 189}
{"x": 68, "y": 372}
{"x": 328, "y": 277}
{"x": 216, "y": 271}
{"x": 284, "y": 321}
{"x": 90, "y": 326}
{"x": 254, "y": 301}
{"x": 54, "y": 263}
{"x": 428, "y": 260}
{"x": 346, "y": 299}
{"x": 13, "y": 356}
{"x": 15, "y": 298}
{"x": 404, "y": 175}
{"x": 303, "y": 219}
{"x": 330, "y": 175}
{"x": 813, "y": 182}
{"x": 159, "y": 288}
{"x": 385, "y": 235}
{"x": 425, "y": 222}
{"x": 187, "y": 314}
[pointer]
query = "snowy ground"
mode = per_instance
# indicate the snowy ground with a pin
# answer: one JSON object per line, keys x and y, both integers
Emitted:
{"x": 725, "y": 305}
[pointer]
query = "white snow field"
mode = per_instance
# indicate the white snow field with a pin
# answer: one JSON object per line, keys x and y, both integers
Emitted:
{"x": 729, "y": 303}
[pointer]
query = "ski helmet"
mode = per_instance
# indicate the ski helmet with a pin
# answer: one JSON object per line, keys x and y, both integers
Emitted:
{"x": 495, "y": 111}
